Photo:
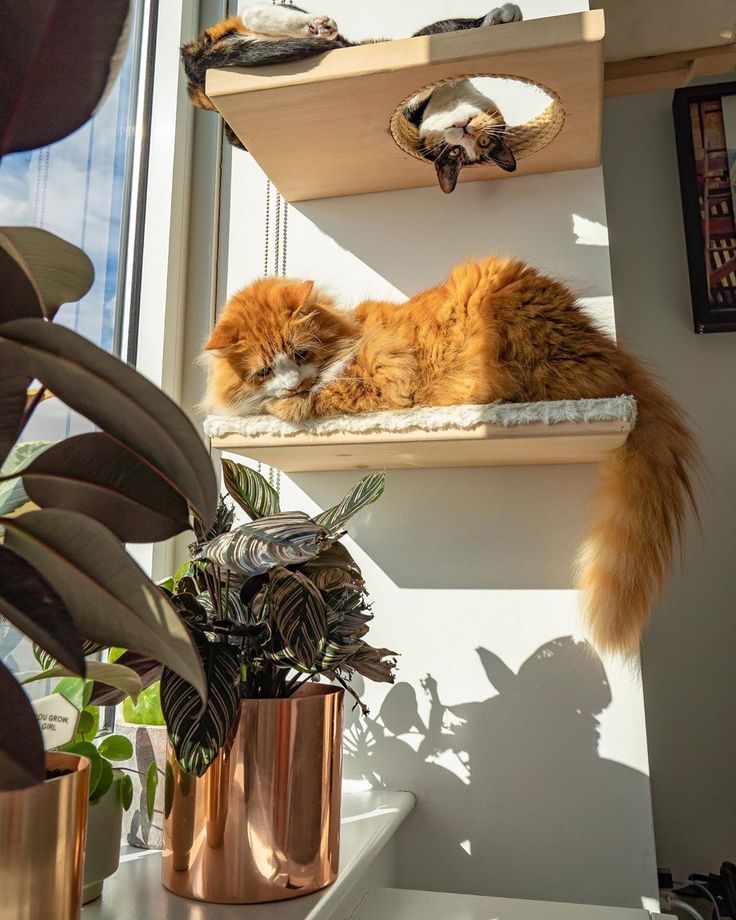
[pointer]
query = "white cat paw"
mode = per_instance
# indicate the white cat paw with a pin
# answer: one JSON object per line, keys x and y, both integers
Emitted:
{"x": 509, "y": 12}
{"x": 322, "y": 27}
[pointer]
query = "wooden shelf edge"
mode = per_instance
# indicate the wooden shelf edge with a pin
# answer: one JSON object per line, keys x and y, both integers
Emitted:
{"x": 485, "y": 445}
{"x": 666, "y": 71}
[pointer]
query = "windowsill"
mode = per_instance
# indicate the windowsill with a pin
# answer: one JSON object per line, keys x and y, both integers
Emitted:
{"x": 369, "y": 821}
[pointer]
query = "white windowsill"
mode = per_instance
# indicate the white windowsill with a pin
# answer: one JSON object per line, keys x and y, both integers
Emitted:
{"x": 369, "y": 821}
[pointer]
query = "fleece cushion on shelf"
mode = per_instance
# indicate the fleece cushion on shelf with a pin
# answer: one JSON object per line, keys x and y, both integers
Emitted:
{"x": 438, "y": 418}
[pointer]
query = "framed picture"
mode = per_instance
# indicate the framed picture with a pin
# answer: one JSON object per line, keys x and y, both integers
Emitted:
{"x": 705, "y": 130}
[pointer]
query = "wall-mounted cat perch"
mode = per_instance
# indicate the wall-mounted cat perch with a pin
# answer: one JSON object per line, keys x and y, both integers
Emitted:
{"x": 320, "y": 128}
{"x": 570, "y": 431}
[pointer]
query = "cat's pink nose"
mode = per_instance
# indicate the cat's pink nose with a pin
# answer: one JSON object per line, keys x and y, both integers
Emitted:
{"x": 462, "y": 124}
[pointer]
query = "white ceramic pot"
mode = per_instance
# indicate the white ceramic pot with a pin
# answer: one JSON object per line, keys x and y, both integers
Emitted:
{"x": 104, "y": 830}
{"x": 149, "y": 745}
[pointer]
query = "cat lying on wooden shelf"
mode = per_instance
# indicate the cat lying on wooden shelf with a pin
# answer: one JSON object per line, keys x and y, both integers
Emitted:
{"x": 496, "y": 330}
{"x": 457, "y": 124}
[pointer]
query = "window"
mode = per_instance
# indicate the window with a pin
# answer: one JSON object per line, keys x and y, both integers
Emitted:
{"x": 84, "y": 189}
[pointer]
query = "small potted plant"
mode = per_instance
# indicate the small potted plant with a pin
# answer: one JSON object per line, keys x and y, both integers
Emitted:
{"x": 111, "y": 782}
{"x": 272, "y": 605}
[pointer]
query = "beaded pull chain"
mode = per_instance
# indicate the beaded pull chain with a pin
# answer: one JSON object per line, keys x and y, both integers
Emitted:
{"x": 280, "y": 225}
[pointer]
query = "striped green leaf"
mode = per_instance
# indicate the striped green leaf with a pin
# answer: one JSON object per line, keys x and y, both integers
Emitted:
{"x": 334, "y": 557}
{"x": 250, "y": 490}
{"x": 197, "y": 738}
{"x": 368, "y": 490}
{"x": 281, "y": 539}
{"x": 373, "y": 663}
{"x": 300, "y": 615}
{"x": 336, "y": 653}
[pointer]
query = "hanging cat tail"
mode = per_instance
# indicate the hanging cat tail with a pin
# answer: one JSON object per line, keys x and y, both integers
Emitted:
{"x": 639, "y": 515}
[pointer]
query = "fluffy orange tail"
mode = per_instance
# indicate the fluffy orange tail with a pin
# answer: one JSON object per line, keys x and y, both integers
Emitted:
{"x": 638, "y": 516}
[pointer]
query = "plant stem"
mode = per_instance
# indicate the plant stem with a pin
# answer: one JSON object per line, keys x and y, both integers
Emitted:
{"x": 31, "y": 407}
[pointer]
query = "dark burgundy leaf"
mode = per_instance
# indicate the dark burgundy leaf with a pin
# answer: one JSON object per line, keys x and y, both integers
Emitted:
{"x": 59, "y": 57}
{"x": 97, "y": 476}
{"x": 123, "y": 403}
{"x": 14, "y": 380}
{"x": 19, "y": 296}
{"x": 33, "y": 606}
{"x": 21, "y": 745}
{"x": 146, "y": 668}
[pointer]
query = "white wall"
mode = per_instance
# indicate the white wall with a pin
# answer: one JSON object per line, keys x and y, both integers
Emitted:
{"x": 688, "y": 667}
{"x": 544, "y": 792}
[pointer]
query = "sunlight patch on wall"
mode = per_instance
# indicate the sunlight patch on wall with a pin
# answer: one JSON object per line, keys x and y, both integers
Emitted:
{"x": 589, "y": 232}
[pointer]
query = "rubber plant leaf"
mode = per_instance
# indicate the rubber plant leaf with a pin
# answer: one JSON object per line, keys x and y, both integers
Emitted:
{"x": 57, "y": 272}
{"x": 110, "y": 598}
{"x": 21, "y": 745}
{"x": 197, "y": 738}
{"x": 250, "y": 490}
{"x": 123, "y": 403}
{"x": 14, "y": 380}
{"x": 57, "y": 67}
{"x": 33, "y": 607}
{"x": 300, "y": 614}
{"x": 95, "y": 475}
{"x": 114, "y": 675}
{"x": 368, "y": 490}
{"x": 281, "y": 539}
{"x": 148, "y": 670}
{"x": 12, "y": 493}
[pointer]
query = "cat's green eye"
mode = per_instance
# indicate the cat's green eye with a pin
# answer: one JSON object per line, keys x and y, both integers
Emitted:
{"x": 301, "y": 355}
{"x": 264, "y": 372}
{"x": 484, "y": 141}
{"x": 455, "y": 152}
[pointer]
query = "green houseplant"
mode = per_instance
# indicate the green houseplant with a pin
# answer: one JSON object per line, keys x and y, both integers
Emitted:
{"x": 272, "y": 605}
{"x": 111, "y": 779}
{"x": 66, "y": 580}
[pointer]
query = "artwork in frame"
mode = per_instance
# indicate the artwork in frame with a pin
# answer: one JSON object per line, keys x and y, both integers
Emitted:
{"x": 705, "y": 130}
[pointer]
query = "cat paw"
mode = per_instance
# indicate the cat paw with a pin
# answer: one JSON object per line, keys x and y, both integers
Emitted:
{"x": 322, "y": 27}
{"x": 290, "y": 408}
{"x": 509, "y": 12}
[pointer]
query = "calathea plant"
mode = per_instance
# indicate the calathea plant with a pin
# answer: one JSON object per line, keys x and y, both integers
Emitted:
{"x": 270, "y": 604}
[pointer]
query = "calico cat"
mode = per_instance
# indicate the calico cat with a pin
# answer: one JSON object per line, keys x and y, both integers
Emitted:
{"x": 457, "y": 124}
{"x": 495, "y": 330}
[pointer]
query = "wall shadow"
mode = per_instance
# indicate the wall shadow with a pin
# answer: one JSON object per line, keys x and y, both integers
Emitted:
{"x": 411, "y": 238}
{"x": 512, "y": 779}
{"x": 470, "y": 528}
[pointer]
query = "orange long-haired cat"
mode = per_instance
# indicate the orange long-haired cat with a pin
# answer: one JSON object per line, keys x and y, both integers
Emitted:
{"x": 495, "y": 330}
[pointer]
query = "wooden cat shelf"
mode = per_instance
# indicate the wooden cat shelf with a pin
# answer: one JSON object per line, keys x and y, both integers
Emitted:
{"x": 594, "y": 429}
{"x": 320, "y": 128}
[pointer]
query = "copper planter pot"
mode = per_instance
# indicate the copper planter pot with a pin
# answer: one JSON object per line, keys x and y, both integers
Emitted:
{"x": 263, "y": 823}
{"x": 42, "y": 836}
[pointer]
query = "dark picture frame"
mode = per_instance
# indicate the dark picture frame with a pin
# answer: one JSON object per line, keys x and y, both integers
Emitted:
{"x": 705, "y": 133}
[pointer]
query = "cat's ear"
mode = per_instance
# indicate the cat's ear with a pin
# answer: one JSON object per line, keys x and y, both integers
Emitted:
{"x": 448, "y": 169}
{"x": 503, "y": 156}
{"x": 302, "y": 292}
{"x": 222, "y": 341}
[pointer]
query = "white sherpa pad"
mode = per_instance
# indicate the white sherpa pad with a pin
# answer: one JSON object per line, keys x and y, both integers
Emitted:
{"x": 439, "y": 418}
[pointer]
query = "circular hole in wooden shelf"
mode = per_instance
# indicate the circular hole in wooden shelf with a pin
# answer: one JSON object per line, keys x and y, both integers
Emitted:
{"x": 527, "y": 116}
